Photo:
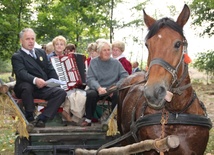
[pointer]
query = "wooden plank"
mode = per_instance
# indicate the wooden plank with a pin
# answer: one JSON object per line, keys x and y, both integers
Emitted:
{"x": 96, "y": 127}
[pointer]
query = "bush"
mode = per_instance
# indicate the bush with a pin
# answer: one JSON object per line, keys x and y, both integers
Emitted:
{"x": 5, "y": 77}
{"x": 5, "y": 66}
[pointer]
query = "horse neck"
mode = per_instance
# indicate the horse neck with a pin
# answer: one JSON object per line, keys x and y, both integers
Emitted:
{"x": 187, "y": 101}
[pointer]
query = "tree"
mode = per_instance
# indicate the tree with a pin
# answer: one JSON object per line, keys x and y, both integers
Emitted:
{"x": 202, "y": 13}
{"x": 13, "y": 16}
{"x": 205, "y": 62}
{"x": 132, "y": 24}
{"x": 80, "y": 22}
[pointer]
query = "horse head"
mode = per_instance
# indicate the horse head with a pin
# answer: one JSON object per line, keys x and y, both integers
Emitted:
{"x": 166, "y": 45}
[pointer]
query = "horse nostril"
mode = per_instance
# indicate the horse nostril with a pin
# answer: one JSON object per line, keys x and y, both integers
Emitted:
{"x": 160, "y": 92}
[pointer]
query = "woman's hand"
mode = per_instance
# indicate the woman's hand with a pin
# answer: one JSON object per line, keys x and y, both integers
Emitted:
{"x": 101, "y": 90}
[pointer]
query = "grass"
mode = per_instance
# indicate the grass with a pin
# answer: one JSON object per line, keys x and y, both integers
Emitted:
{"x": 7, "y": 135}
{"x": 210, "y": 145}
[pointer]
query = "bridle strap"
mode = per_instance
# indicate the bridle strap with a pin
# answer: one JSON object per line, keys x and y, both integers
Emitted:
{"x": 164, "y": 64}
{"x": 172, "y": 70}
{"x": 183, "y": 76}
{"x": 179, "y": 90}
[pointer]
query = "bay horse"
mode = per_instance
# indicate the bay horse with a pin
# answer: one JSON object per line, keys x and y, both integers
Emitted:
{"x": 164, "y": 102}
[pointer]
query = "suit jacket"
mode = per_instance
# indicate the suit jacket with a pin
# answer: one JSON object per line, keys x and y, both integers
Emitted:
{"x": 26, "y": 68}
{"x": 137, "y": 70}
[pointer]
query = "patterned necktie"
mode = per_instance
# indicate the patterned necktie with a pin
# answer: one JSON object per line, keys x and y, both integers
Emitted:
{"x": 32, "y": 54}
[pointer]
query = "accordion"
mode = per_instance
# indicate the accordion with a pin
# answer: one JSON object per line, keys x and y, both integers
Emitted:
{"x": 70, "y": 69}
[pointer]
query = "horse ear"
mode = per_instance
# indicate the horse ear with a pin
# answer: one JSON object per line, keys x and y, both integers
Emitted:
{"x": 149, "y": 21}
{"x": 184, "y": 16}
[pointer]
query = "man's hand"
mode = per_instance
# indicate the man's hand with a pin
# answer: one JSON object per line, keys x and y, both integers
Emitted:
{"x": 40, "y": 83}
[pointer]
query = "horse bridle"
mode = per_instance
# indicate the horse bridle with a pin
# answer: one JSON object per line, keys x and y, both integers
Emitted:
{"x": 172, "y": 70}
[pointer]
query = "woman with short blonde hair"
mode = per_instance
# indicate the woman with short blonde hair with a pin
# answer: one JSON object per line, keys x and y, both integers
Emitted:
{"x": 118, "y": 47}
{"x": 59, "y": 44}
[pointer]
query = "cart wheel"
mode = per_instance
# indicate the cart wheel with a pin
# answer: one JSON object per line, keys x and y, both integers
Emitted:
{"x": 20, "y": 145}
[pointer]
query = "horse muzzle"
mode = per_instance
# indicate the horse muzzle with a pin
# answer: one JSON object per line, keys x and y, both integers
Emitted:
{"x": 156, "y": 96}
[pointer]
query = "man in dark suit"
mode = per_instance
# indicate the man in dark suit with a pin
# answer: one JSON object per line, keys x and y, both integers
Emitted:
{"x": 32, "y": 69}
{"x": 135, "y": 67}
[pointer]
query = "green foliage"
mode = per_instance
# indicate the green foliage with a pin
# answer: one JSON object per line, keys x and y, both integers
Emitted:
{"x": 5, "y": 77}
{"x": 205, "y": 62}
{"x": 5, "y": 66}
{"x": 80, "y": 22}
{"x": 14, "y": 15}
{"x": 202, "y": 13}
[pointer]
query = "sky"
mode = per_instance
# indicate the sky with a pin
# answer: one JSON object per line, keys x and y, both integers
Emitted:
{"x": 123, "y": 12}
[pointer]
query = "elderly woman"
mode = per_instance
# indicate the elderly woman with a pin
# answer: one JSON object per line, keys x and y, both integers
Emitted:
{"x": 118, "y": 48}
{"x": 92, "y": 50}
{"x": 103, "y": 73}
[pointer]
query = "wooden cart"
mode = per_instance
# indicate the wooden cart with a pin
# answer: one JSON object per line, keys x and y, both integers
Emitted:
{"x": 58, "y": 139}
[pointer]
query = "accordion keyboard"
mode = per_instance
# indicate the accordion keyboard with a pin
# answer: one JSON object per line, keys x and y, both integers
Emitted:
{"x": 67, "y": 71}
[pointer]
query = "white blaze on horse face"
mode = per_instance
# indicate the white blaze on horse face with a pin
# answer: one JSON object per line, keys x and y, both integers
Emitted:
{"x": 159, "y": 36}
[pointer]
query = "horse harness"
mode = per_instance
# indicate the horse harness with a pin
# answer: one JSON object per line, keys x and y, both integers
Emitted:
{"x": 166, "y": 117}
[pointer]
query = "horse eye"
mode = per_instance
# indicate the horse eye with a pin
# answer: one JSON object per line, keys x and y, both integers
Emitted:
{"x": 177, "y": 44}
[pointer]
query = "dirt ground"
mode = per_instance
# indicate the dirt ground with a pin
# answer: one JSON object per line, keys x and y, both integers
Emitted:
{"x": 205, "y": 92}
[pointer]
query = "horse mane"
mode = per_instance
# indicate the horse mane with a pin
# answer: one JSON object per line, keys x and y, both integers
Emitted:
{"x": 164, "y": 22}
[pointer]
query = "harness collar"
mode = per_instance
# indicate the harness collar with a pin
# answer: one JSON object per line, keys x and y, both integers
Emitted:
{"x": 175, "y": 119}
